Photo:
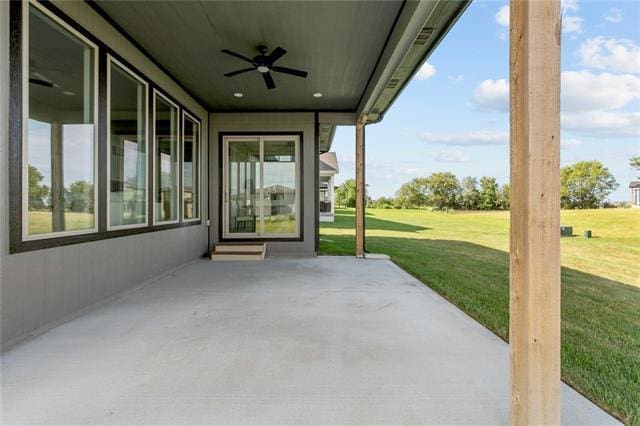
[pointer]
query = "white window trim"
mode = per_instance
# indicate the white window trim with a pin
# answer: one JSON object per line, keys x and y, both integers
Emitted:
{"x": 198, "y": 144}
{"x": 25, "y": 124}
{"x": 111, "y": 60}
{"x": 225, "y": 202}
{"x": 156, "y": 93}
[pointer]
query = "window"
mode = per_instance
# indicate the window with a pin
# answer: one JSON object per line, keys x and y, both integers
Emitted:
{"x": 166, "y": 163}
{"x": 261, "y": 187}
{"x": 151, "y": 158}
{"x": 190, "y": 168}
{"x": 279, "y": 186}
{"x": 59, "y": 145}
{"x": 127, "y": 121}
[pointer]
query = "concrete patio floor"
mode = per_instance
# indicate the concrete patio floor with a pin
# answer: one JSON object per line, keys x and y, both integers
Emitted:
{"x": 323, "y": 340}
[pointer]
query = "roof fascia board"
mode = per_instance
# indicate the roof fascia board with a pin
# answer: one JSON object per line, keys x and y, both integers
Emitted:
{"x": 331, "y": 136}
{"x": 410, "y": 22}
{"x": 408, "y": 29}
{"x": 338, "y": 118}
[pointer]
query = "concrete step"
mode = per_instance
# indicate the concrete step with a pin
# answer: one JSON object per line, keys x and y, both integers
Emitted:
{"x": 238, "y": 251}
{"x": 239, "y": 247}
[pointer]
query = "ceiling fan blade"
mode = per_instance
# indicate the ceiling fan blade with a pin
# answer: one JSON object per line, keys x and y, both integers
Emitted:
{"x": 269, "y": 80}
{"x": 277, "y": 53}
{"x": 39, "y": 82}
{"x": 291, "y": 71}
{"x": 232, "y": 73}
{"x": 237, "y": 55}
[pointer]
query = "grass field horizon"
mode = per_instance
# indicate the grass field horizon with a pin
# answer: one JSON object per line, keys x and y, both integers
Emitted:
{"x": 464, "y": 257}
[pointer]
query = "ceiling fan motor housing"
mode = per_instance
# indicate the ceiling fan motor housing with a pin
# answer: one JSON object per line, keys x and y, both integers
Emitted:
{"x": 263, "y": 63}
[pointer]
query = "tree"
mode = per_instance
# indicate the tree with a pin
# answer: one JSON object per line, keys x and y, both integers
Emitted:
{"x": 634, "y": 162}
{"x": 585, "y": 185}
{"x": 488, "y": 193}
{"x": 38, "y": 193}
{"x": 412, "y": 194}
{"x": 345, "y": 194}
{"x": 79, "y": 196}
{"x": 443, "y": 191}
{"x": 382, "y": 203}
{"x": 469, "y": 194}
{"x": 504, "y": 197}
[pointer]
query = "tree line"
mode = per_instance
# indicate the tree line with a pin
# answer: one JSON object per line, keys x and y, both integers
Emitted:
{"x": 583, "y": 185}
{"x": 78, "y": 196}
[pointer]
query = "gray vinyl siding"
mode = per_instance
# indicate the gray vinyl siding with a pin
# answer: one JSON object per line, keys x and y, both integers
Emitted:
{"x": 42, "y": 288}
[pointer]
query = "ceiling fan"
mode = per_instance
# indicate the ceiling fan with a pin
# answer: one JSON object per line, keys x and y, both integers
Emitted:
{"x": 263, "y": 63}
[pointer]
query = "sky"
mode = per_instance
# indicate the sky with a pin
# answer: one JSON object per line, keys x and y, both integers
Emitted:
{"x": 454, "y": 114}
{"x": 77, "y": 150}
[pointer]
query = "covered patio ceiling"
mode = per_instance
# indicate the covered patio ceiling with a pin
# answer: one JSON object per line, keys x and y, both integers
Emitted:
{"x": 358, "y": 54}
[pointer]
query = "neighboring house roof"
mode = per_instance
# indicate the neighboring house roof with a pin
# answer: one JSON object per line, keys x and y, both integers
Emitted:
{"x": 635, "y": 184}
{"x": 329, "y": 162}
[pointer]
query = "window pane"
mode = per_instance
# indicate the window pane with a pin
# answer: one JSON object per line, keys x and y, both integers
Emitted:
{"x": 166, "y": 161}
{"x": 60, "y": 130}
{"x": 191, "y": 170}
{"x": 127, "y": 183}
{"x": 243, "y": 183}
{"x": 279, "y": 187}
{"x": 325, "y": 194}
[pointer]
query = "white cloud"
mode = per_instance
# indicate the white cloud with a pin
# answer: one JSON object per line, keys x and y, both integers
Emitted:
{"x": 572, "y": 24}
{"x": 426, "y": 71}
{"x": 585, "y": 91}
{"x": 451, "y": 156}
{"x": 569, "y": 6}
{"x": 590, "y": 103}
{"x": 492, "y": 95}
{"x": 384, "y": 169}
{"x": 456, "y": 78}
{"x": 570, "y": 143}
{"x": 614, "y": 15}
{"x": 620, "y": 55}
{"x": 502, "y": 17}
{"x": 603, "y": 123}
{"x": 480, "y": 137}
{"x": 580, "y": 91}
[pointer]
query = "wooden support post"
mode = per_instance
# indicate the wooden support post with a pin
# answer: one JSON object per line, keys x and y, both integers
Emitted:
{"x": 534, "y": 328}
{"x": 57, "y": 177}
{"x": 360, "y": 187}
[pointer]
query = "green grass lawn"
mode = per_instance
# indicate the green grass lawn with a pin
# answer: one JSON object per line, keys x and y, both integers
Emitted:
{"x": 464, "y": 257}
{"x": 280, "y": 224}
{"x": 41, "y": 222}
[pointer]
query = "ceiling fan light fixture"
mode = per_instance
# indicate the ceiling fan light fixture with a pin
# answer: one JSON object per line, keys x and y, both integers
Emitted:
{"x": 238, "y": 95}
{"x": 317, "y": 95}
{"x": 264, "y": 64}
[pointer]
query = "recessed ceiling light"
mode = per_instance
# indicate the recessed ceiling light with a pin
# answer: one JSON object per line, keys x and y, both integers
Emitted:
{"x": 238, "y": 95}
{"x": 317, "y": 95}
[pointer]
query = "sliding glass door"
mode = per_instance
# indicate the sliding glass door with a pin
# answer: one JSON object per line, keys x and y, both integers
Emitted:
{"x": 261, "y": 194}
